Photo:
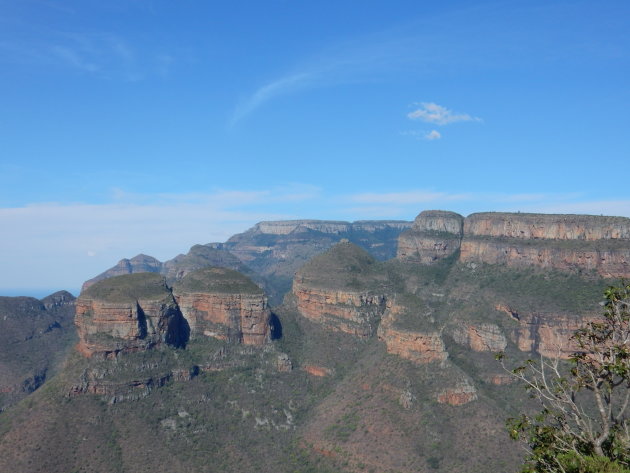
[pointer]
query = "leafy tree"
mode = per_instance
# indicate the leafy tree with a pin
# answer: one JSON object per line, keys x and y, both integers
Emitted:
{"x": 584, "y": 424}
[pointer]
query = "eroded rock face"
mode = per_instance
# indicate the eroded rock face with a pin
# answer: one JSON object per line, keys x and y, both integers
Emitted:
{"x": 221, "y": 303}
{"x": 547, "y": 226}
{"x": 435, "y": 235}
{"x": 544, "y": 333}
{"x": 481, "y": 337}
{"x": 563, "y": 242}
{"x": 342, "y": 290}
{"x": 356, "y": 313}
{"x": 128, "y": 313}
{"x": 458, "y": 395}
{"x": 238, "y": 318}
{"x": 417, "y": 346}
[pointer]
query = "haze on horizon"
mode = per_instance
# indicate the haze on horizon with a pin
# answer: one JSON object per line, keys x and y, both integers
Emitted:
{"x": 148, "y": 126}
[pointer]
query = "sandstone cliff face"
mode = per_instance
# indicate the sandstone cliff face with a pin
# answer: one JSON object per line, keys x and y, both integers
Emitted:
{"x": 237, "y": 318}
{"x": 481, "y": 337}
{"x": 341, "y": 290}
{"x": 221, "y": 303}
{"x": 611, "y": 260}
{"x": 544, "y": 333}
{"x": 547, "y": 226}
{"x": 128, "y": 313}
{"x": 435, "y": 235}
{"x": 356, "y": 313}
{"x": 563, "y": 242}
{"x": 417, "y": 346}
{"x": 458, "y": 395}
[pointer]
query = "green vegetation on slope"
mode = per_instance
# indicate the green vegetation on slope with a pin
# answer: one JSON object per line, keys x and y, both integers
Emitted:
{"x": 129, "y": 288}
{"x": 217, "y": 280}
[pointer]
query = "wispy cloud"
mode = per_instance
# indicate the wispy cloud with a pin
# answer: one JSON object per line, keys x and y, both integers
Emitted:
{"x": 430, "y": 112}
{"x": 267, "y": 92}
{"x": 99, "y": 54}
{"x": 423, "y": 135}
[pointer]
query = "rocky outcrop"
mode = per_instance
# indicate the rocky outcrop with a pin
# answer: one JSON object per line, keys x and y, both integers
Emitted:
{"x": 416, "y": 347}
{"x": 480, "y": 337}
{"x": 545, "y": 333}
{"x": 128, "y": 313}
{"x": 341, "y": 291}
{"x": 356, "y": 313}
{"x": 458, "y": 395}
{"x": 224, "y": 304}
{"x": 435, "y": 235}
{"x": 319, "y": 371}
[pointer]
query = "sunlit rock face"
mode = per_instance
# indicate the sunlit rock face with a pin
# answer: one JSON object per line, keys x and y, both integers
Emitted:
{"x": 224, "y": 304}
{"x": 564, "y": 242}
{"x": 435, "y": 235}
{"x": 128, "y": 313}
{"x": 341, "y": 291}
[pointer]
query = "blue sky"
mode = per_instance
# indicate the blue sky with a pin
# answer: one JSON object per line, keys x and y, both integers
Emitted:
{"x": 149, "y": 126}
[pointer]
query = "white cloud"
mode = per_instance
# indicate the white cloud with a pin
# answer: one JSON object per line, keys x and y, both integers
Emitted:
{"x": 432, "y": 135}
{"x": 430, "y": 112}
{"x": 48, "y": 244}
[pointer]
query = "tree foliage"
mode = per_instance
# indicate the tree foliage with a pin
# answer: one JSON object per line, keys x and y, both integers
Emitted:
{"x": 583, "y": 426}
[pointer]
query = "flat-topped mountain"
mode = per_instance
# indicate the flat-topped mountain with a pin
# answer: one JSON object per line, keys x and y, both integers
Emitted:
{"x": 128, "y": 313}
{"x": 369, "y": 364}
{"x": 576, "y": 243}
{"x": 224, "y": 304}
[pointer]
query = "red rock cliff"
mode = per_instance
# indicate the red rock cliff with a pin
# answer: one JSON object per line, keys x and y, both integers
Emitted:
{"x": 127, "y": 313}
{"x": 417, "y": 346}
{"x": 221, "y": 303}
{"x": 563, "y": 242}
{"x": 353, "y": 312}
{"x": 342, "y": 290}
{"x": 435, "y": 235}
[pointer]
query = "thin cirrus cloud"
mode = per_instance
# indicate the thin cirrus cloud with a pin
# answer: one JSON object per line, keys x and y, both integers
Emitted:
{"x": 430, "y": 112}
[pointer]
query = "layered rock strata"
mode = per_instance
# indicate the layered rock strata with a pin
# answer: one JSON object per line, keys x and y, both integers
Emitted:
{"x": 356, "y": 313}
{"x": 563, "y": 242}
{"x": 340, "y": 290}
{"x": 481, "y": 337}
{"x": 419, "y": 347}
{"x": 224, "y": 304}
{"x": 545, "y": 333}
{"x": 128, "y": 313}
{"x": 435, "y": 235}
